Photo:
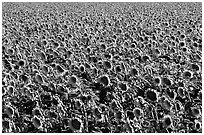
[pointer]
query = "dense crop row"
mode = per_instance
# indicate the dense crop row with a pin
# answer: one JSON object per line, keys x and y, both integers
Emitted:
{"x": 102, "y": 67}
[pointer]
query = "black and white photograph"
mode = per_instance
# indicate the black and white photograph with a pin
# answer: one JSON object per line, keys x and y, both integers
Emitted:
{"x": 101, "y": 67}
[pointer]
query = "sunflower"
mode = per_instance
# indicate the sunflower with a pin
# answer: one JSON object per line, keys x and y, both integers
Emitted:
{"x": 75, "y": 124}
{"x": 37, "y": 122}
